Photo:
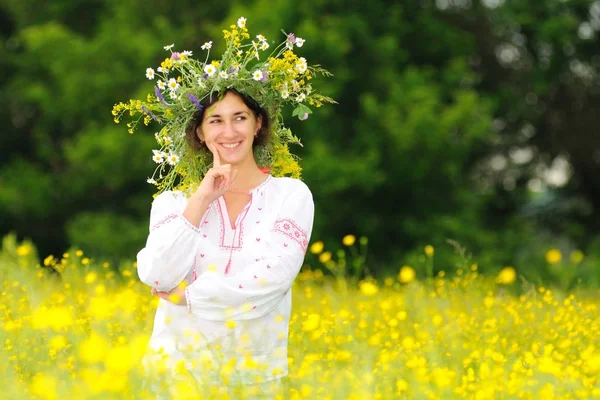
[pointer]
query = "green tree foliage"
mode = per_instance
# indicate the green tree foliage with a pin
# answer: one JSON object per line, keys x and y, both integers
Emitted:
{"x": 426, "y": 96}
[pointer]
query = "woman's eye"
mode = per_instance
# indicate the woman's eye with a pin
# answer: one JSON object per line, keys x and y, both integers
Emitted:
{"x": 241, "y": 118}
{"x": 212, "y": 121}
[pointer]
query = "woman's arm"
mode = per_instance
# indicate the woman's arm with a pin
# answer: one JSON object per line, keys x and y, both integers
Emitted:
{"x": 262, "y": 285}
{"x": 172, "y": 243}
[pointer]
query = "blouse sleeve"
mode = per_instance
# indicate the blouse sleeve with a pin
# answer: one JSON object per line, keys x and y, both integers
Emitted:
{"x": 171, "y": 245}
{"x": 261, "y": 286}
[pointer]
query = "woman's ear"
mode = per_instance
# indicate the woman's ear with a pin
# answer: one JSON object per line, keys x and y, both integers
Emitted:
{"x": 258, "y": 124}
{"x": 199, "y": 133}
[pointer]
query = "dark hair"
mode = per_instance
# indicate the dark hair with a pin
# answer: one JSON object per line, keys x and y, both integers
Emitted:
{"x": 263, "y": 134}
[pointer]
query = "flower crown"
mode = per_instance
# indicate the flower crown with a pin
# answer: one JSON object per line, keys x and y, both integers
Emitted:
{"x": 183, "y": 83}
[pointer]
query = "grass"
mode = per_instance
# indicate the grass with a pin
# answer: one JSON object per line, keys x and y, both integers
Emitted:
{"x": 78, "y": 328}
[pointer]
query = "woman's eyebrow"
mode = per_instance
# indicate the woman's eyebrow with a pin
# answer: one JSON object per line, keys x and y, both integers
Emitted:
{"x": 235, "y": 114}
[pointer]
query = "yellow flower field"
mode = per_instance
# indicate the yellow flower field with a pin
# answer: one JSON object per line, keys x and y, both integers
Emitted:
{"x": 80, "y": 333}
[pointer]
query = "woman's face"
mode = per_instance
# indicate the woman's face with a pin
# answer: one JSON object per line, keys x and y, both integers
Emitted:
{"x": 231, "y": 127}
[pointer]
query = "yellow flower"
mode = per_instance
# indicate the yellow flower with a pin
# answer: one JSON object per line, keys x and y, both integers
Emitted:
{"x": 348, "y": 240}
{"x": 93, "y": 349}
{"x": 406, "y": 274}
{"x": 553, "y": 256}
{"x": 316, "y": 247}
{"x": 507, "y": 276}
{"x": 311, "y": 323}
{"x": 576, "y": 256}
{"x": 58, "y": 342}
{"x": 324, "y": 257}
{"x": 429, "y": 250}
{"x": 79, "y": 253}
{"x": 44, "y": 386}
{"x": 368, "y": 288}
{"x": 24, "y": 249}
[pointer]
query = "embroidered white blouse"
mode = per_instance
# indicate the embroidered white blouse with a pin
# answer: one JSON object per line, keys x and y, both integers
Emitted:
{"x": 239, "y": 278}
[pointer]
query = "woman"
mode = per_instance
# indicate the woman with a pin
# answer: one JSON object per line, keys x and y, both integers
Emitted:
{"x": 222, "y": 255}
{"x": 238, "y": 241}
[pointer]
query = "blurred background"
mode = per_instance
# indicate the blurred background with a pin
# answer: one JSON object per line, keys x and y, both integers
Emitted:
{"x": 466, "y": 125}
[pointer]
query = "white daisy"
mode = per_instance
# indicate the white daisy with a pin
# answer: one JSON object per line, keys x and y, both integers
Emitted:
{"x": 163, "y": 70}
{"x": 264, "y": 46}
{"x": 161, "y": 85}
{"x": 223, "y": 74}
{"x": 300, "y": 42}
{"x": 241, "y": 22}
{"x": 157, "y": 158}
{"x": 261, "y": 38}
{"x": 149, "y": 73}
{"x": 289, "y": 45}
{"x": 173, "y": 95}
{"x": 210, "y": 69}
{"x": 301, "y": 67}
{"x": 173, "y": 159}
{"x": 167, "y": 140}
{"x": 173, "y": 84}
{"x": 169, "y": 47}
{"x": 207, "y": 46}
{"x": 186, "y": 53}
{"x": 257, "y": 75}
{"x": 151, "y": 181}
{"x": 285, "y": 94}
{"x": 300, "y": 98}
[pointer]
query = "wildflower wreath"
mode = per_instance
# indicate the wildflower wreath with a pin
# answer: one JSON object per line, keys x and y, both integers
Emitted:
{"x": 182, "y": 83}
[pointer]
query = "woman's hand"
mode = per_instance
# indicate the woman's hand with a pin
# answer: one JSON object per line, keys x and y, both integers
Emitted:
{"x": 176, "y": 296}
{"x": 217, "y": 179}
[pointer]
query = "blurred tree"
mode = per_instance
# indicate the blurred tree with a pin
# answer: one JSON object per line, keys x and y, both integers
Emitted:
{"x": 448, "y": 110}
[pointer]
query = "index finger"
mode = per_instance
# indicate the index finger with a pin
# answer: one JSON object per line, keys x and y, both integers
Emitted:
{"x": 216, "y": 156}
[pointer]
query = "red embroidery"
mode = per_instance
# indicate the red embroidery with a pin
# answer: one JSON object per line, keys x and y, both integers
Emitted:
{"x": 241, "y": 287}
{"x": 292, "y": 230}
{"x": 254, "y": 308}
{"x": 238, "y": 232}
{"x": 163, "y": 221}
{"x": 156, "y": 282}
{"x": 194, "y": 275}
{"x": 255, "y": 277}
{"x": 202, "y": 255}
{"x": 258, "y": 239}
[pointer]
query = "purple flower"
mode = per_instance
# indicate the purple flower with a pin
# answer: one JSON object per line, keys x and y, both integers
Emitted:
{"x": 303, "y": 117}
{"x": 149, "y": 113}
{"x": 175, "y": 56}
{"x": 265, "y": 76}
{"x": 292, "y": 38}
{"x": 194, "y": 100}
{"x": 160, "y": 96}
{"x": 231, "y": 70}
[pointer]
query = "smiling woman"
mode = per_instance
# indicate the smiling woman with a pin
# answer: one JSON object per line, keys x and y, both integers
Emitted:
{"x": 226, "y": 240}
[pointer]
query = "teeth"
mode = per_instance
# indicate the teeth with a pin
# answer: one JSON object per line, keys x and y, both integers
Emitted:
{"x": 230, "y": 145}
